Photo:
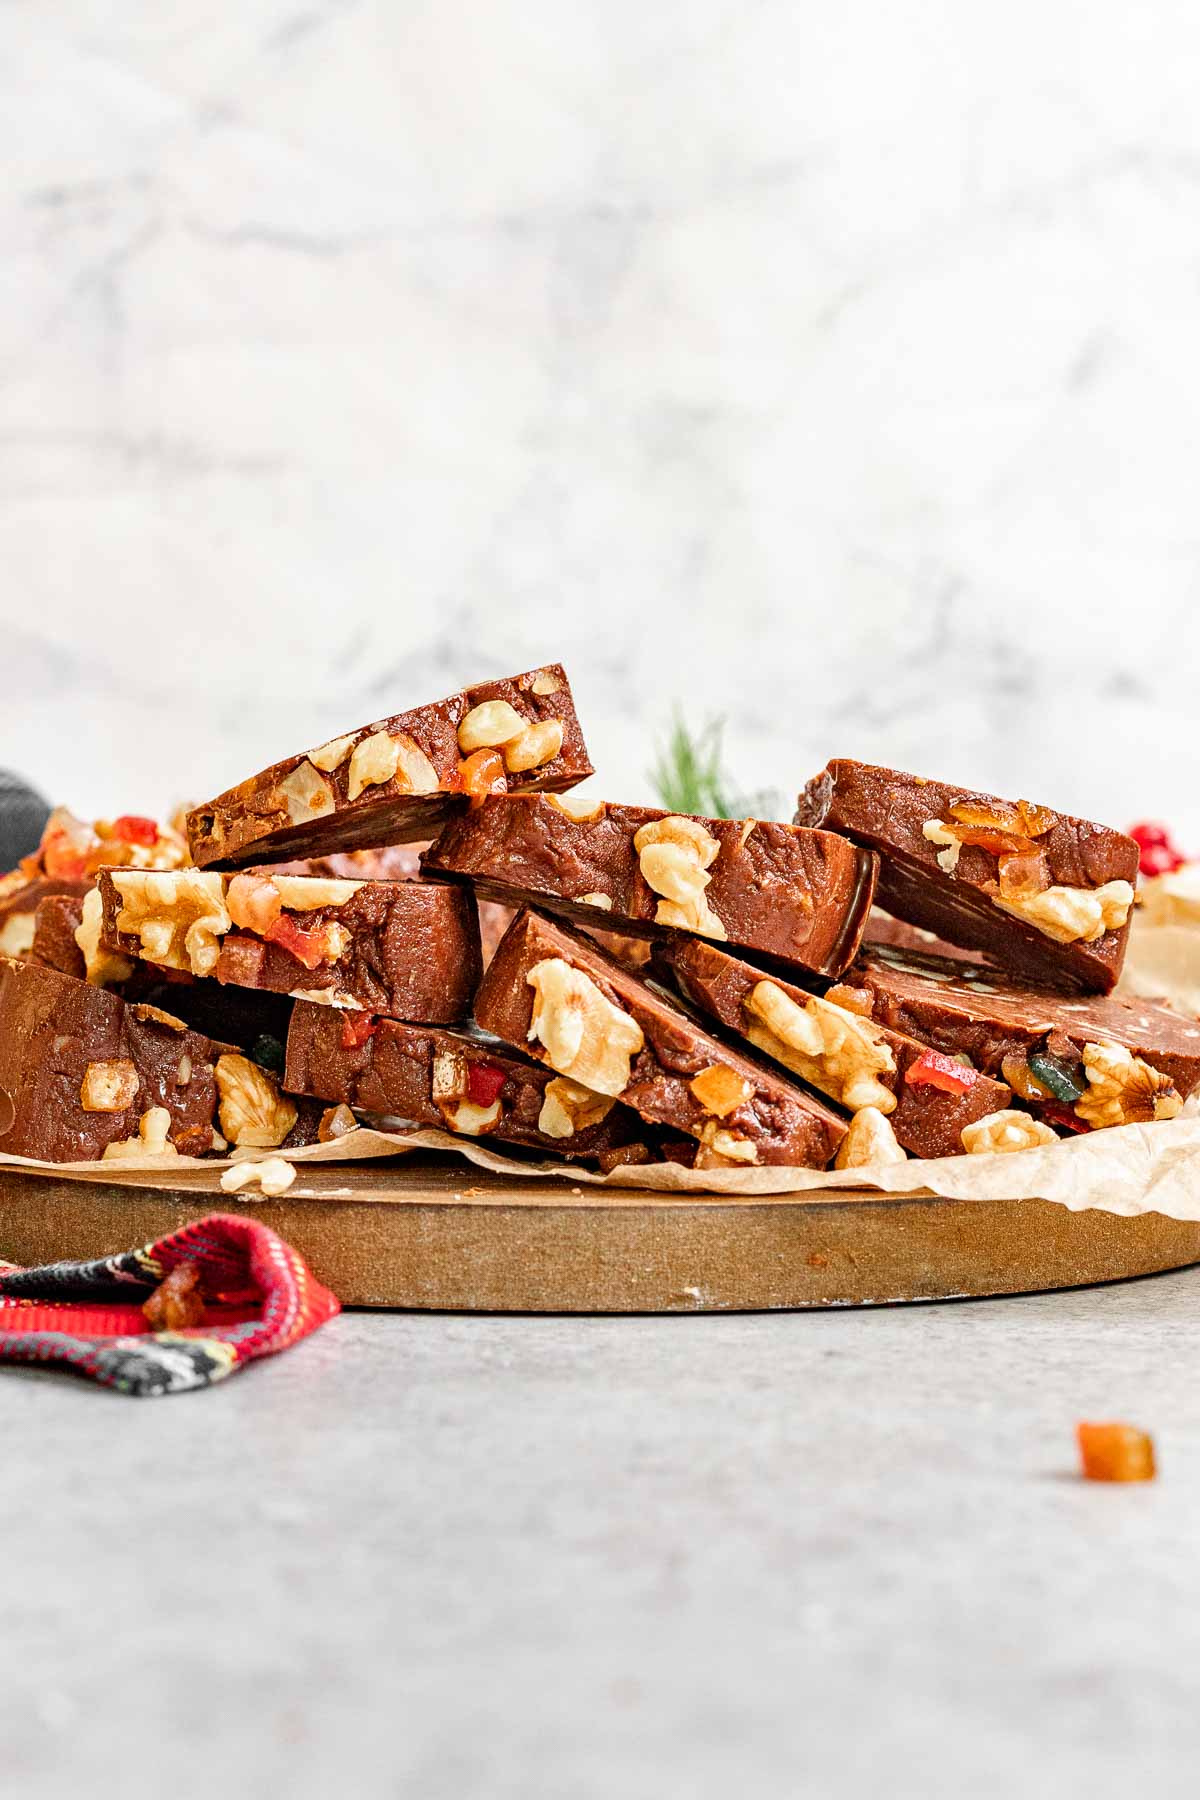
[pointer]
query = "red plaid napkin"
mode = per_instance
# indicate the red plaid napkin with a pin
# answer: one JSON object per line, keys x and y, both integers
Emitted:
{"x": 87, "y": 1316}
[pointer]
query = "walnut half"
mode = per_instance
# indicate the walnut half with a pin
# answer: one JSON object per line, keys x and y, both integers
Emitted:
{"x": 1123, "y": 1089}
{"x": 252, "y": 1110}
{"x": 584, "y": 1035}
{"x": 179, "y": 917}
{"x": 675, "y": 855}
{"x": 1005, "y": 1131}
{"x": 840, "y": 1052}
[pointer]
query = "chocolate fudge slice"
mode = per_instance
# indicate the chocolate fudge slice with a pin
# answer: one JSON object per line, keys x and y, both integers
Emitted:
{"x": 401, "y": 778}
{"x": 1078, "y": 1061}
{"x": 83, "y": 1075}
{"x": 555, "y": 992}
{"x": 800, "y": 896}
{"x": 454, "y": 1081}
{"x": 849, "y": 1057}
{"x": 406, "y": 948}
{"x": 1044, "y": 893}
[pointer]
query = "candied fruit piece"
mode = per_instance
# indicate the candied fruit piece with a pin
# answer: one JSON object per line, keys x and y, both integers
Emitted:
{"x": 1115, "y": 1452}
{"x": 357, "y": 1029}
{"x": 484, "y": 1082}
{"x": 178, "y": 1300}
{"x": 935, "y": 1069}
{"x": 996, "y": 815}
{"x": 1023, "y": 874}
{"x": 311, "y": 948}
{"x": 132, "y": 829}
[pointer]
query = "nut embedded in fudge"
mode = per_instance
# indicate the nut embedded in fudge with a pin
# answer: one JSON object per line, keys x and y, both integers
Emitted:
{"x": 451, "y": 1081}
{"x": 406, "y": 948}
{"x": 847, "y": 1056}
{"x": 800, "y": 896}
{"x": 1080, "y": 1062}
{"x": 399, "y": 779}
{"x": 1047, "y": 895}
{"x": 555, "y": 992}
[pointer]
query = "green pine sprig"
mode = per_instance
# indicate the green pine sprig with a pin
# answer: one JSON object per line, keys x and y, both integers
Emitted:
{"x": 689, "y": 775}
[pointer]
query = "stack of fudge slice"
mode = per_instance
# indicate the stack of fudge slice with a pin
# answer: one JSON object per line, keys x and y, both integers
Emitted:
{"x": 720, "y": 993}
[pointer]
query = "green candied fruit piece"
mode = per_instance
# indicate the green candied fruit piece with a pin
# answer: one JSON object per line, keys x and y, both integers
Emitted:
{"x": 268, "y": 1053}
{"x": 1057, "y": 1078}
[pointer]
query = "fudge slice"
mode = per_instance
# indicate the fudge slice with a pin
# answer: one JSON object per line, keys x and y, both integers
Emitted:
{"x": 801, "y": 896}
{"x": 828, "y": 1042}
{"x": 1077, "y": 1061}
{"x": 399, "y": 779}
{"x": 83, "y": 1075}
{"x": 406, "y": 948}
{"x": 555, "y": 992}
{"x": 1046, "y": 894}
{"x": 453, "y": 1081}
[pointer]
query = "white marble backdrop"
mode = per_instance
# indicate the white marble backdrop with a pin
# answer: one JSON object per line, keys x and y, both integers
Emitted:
{"x": 836, "y": 367}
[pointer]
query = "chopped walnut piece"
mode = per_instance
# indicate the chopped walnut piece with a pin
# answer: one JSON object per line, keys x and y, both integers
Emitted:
{"x": 538, "y": 744}
{"x": 152, "y": 1140}
{"x": 1123, "y": 1089}
{"x": 448, "y": 1077}
{"x": 584, "y": 1035}
{"x": 306, "y": 794}
{"x": 869, "y": 1139}
{"x": 1113, "y": 1452}
{"x": 1004, "y": 1131}
{"x": 333, "y": 754}
{"x": 179, "y": 918}
{"x": 273, "y": 1174}
{"x": 720, "y": 1090}
{"x": 385, "y": 757}
{"x": 489, "y": 725}
{"x": 722, "y": 1149}
{"x": 851, "y": 999}
{"x": 177, "y": 1303}
{"x": 17, "y": 931}
{"x": 103, "y": 968}
{"x": 495, "y": 725}
{"x": 674, "y": 855}
{"x": 938, "y": 832}
{"x": 304, "y": 893}
{"x": 582, "y": 808}
{"x": 471, "y": 1120}
{"x": 252, "y": 1110}
{"x": 336, "y": 1122}
{"x": 1070, "y": 915}
{"x": 840, "y": 1052}
{"x": 544, "y": 682}
{"x": 109, "y": 1087}
{"x": 568, "y": 1108}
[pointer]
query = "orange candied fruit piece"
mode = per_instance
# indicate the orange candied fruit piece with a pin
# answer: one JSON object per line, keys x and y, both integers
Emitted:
{"x": 1115, "y": 1453}
{"x": 483, "y": 773}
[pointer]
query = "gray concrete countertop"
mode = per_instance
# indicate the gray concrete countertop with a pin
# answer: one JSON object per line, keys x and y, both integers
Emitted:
{"x": 824, "y": 1554}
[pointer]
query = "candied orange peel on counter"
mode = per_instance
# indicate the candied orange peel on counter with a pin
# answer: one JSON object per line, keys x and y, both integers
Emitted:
{"x": 1115, "y": 1452}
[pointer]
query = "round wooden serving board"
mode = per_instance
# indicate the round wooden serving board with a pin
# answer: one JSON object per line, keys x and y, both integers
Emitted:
{"x": 432, "y": 1232}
